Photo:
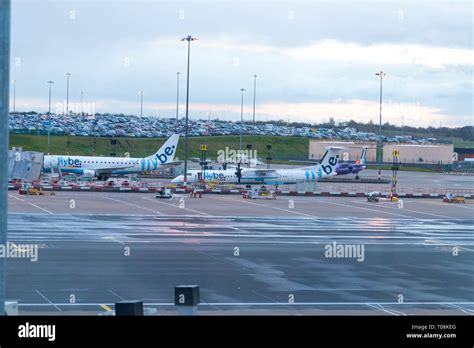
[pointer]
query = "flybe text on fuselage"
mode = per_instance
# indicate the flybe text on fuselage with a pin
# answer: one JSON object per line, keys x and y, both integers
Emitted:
{"x": 146, "y": 164}
{"x": 214, "y": 176}
{"x": 69, "y": 162}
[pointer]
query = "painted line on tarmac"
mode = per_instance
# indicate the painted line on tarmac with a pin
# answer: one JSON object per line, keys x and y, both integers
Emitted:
{"x": 436, "y": 242}
{"x": 49, "y": 302}
{"x": 392, "y": 310}
{"x": 462, "y": 309}
{"x": 134, "y": 205}
{"x": 271, "y": 299}
{"x": 95, "y": 304}
{"x": 116, "y": 295}
{"x": 177, "y": 207}
{"x": 32, "y": 204}
{"x": 112, "y": 238}
{"x": 380, "y": 308}
{"x": 269, "y": 207}
{"x": 413, "y": 211}
{"x": 455, "y": 205}
{"x": 229, "y": 238}
{"x": 373, "y": 210}
{"x": 75, "y": 214}
{"x": 321, "y": 201}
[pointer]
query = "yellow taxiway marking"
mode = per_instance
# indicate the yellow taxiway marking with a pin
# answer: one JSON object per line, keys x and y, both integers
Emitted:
{"x": 107, "y": 308}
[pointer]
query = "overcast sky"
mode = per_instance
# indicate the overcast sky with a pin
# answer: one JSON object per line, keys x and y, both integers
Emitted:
{"x": 314, "y": 60}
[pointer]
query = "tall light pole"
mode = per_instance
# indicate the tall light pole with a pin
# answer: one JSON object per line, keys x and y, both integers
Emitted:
{"x": 141, "y": 103}
{"x": 67, "y": 93}
{"x": 380, "y": 144}
{"x": 82, "y": 110}
{"x": 49, "y": 116}
{"x": 403, "y": 119}
{"x": 188, "y": 38}
{"x": 241, "y": 117}
{"x": 177, "y": 95}
{"x": 5, "y": 7}
{"x": 14, "y": 95}
{"x": 254, "y": 95}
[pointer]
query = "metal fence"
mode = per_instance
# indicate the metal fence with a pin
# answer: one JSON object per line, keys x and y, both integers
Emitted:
{"x": 461, "y": 167}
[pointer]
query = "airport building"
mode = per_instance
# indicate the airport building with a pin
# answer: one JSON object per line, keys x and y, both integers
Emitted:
{"x": 422, "y": 154}
{"x": 464, "y": 153}
{"x": 408, "y": 153}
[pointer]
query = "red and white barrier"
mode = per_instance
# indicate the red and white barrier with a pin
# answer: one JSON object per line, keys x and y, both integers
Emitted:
{"x": 339, "y": 192}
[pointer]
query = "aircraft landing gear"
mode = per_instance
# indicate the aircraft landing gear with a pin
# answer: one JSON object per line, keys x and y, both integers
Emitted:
{"x": 102, "y": 178}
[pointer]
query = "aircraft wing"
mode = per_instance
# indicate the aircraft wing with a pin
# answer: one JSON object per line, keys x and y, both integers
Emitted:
{"x": 109, "y": 170}
{"x": 106, "y": 170}
{"x": 259, "y": 173}
{"x": 171, "y": 164}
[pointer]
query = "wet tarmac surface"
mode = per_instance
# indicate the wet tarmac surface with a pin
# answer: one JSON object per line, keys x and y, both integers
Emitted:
{"x": 112, "y": 247}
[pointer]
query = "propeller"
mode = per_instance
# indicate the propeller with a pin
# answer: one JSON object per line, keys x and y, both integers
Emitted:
{"x": 238, "y": 173}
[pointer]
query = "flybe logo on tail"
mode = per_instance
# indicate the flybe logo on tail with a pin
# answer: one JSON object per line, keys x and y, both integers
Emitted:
{"x": 151, "y": 163}
{"x": 163, "y": 157}
{"x": 328, "y": 168}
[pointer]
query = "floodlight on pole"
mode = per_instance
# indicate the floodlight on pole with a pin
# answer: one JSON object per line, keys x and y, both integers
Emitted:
{"x": 141, "y": 103}
{"x": 14, "y": 95}
{"x": 177, "y": 95}
{"x": 82, "y": 110}
{"x": 380, "y": 142}
{"x": 67, "y": 93}
{"x": 254, "y": 97}
{"x": 49, "y": 116}
{"x": 241, "y": 117}
{"x": 188, "y": 38}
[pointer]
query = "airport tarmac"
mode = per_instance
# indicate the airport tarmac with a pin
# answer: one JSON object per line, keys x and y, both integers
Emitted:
{"x": 426, "y": 179}
{"x": 246, "y": 255}
{"x": 408, "y": 181}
